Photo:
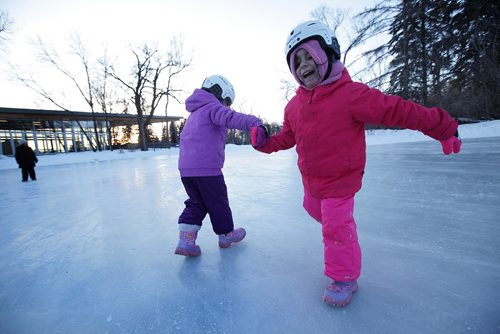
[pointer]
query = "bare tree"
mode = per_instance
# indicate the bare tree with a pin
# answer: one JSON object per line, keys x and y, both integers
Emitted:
{"x": 87, "y": 87}
{"x": 6, "y": 26}
{"x": 87, "y": 91}
{"x": 333, "y": 18}
{"x": 105, "y": 96}
{"x": 151, "y": 80}
{"x": 288, "y": 87}
{"x": 370, "y": 24}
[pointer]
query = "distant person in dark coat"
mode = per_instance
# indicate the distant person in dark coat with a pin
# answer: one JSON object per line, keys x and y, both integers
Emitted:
{"x": 26, "y": 160}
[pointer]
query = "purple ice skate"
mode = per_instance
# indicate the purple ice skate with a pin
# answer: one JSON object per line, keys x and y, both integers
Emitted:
{"x": 236, "y": 235}
{"x": 339, "y": 293}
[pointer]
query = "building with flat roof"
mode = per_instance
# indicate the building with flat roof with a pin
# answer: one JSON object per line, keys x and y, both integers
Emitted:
{"x": 59, "y": 131}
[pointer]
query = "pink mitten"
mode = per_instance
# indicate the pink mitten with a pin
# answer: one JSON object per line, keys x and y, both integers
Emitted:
{"x": 258, "y": 136}
{"x": 452, "y": 144}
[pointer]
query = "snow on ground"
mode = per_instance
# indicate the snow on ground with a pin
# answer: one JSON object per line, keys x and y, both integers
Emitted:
{"x": 88, "y": 248}
{"x": 373, "y": 137}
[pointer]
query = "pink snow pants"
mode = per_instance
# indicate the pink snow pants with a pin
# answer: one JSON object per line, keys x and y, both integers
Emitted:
{"x": 342, "y": 252}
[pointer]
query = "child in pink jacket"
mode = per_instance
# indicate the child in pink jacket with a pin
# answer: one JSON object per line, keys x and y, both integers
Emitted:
{"x": 325, "y": 122}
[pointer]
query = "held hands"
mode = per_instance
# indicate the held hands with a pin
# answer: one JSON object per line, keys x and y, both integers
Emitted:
{"x": 258, "y": 135}
{"x": 452, "y": 144}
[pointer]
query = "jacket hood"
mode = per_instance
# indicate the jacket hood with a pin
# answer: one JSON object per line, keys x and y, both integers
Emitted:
{"x": 198, "y": 99}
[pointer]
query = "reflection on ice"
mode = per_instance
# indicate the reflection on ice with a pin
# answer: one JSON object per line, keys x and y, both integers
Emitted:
{"x": 88, "y": 248}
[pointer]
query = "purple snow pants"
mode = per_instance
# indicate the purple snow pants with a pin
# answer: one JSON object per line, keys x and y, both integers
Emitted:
{"x": 207, "y": 194}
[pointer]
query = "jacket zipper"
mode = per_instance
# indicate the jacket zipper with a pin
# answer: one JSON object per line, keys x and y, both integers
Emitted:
{"x": 309, "y": 101}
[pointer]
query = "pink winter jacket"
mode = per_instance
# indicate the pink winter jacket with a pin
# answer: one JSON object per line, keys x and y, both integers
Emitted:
{"x": 326, "y": 125}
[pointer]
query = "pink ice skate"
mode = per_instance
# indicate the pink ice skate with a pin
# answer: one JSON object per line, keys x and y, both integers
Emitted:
{"x": 339, "y": 293}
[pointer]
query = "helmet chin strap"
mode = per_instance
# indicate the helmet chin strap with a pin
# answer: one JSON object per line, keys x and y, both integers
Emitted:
{"x": 331, "y": 59}
{"x": 328, "y": 71}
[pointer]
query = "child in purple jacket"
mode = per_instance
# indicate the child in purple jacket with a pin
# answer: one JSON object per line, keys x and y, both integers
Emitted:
{"x": 201, "y": 158}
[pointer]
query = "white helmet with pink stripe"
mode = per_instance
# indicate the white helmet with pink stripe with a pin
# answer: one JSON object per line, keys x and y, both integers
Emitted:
{"x": 313, "y": 30}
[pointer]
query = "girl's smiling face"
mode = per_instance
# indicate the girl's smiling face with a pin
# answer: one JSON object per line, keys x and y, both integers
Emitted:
{"x": 306, "y": 69}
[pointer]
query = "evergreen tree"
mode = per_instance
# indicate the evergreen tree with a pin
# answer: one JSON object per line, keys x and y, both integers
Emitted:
{"x": 174, "y": 137}
{"x": 443, "y": 52}
{"x": 477, "y": 66}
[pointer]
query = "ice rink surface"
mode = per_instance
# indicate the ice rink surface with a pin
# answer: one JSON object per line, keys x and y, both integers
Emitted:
{"x": 89, "y": 247}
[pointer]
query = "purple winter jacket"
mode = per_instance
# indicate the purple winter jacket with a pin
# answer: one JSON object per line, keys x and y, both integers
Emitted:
{"x": 203, "y": 137}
